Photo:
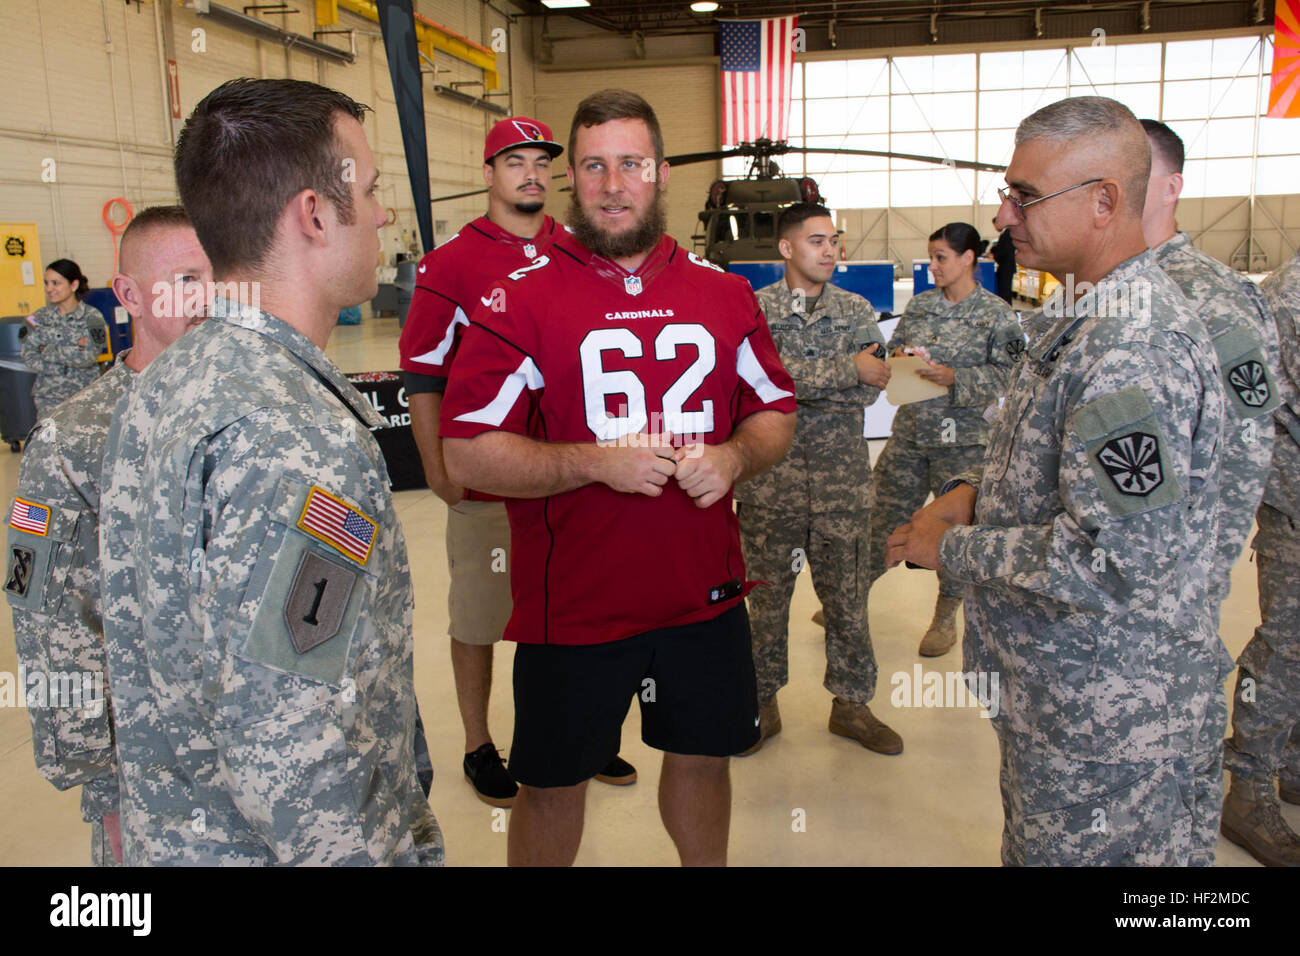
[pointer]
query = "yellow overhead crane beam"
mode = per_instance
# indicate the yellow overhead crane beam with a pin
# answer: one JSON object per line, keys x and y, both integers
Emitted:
{"x": 429, "y": 36}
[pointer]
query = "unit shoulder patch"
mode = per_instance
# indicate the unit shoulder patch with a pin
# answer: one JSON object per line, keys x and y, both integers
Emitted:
{"x": 317, "y": 600}
{"x": 18, "y": 574}
{"x": 1250, "y": 381}
{"x": 1133, "y": 463}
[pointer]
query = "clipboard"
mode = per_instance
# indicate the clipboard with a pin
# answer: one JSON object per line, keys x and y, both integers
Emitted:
{"x": 905, "y": 386}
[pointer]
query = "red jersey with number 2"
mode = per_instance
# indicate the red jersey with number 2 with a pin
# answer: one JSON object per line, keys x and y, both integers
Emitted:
{"x": 577, "y": 349}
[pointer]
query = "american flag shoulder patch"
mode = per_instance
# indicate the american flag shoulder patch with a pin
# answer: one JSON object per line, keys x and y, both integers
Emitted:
{"x": 30, "y": 516}
{"x": 338, "y": 524}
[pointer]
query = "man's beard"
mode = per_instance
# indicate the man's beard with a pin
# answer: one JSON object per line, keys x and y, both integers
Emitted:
{"x": 642, "y": 237}
{"x": 530, "y": 207}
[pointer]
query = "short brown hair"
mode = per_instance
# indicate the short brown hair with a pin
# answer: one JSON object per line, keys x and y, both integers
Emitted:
{"x": 248, "y": 148}
{"x": 606, "y": 105}
{"x": 1165, "y": 142}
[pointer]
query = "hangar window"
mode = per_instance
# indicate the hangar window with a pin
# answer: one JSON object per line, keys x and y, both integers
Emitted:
{"x": 967, "y": 105}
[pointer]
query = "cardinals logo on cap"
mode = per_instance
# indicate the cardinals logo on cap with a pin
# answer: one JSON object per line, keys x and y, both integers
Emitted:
{"x": 528, "y": 130}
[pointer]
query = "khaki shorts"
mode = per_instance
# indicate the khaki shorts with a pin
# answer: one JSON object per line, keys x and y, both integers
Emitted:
{"x": 478, "y": 559}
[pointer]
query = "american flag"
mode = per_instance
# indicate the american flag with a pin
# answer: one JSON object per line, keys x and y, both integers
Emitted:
{"x": 757, "y": 70}
{"x": 29, "y": 516}
{"x": 338, "y": 524}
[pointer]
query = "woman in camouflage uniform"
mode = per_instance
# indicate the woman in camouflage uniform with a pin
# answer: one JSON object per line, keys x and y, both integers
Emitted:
{"x": 62, "y": 341}
{"x": 972, "y": 339}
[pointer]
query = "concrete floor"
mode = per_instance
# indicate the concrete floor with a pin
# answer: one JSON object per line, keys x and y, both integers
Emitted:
{"x": 936, "y": 803}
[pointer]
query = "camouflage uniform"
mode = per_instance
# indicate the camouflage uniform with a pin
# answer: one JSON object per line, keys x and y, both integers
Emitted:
{"x": 1245, "y": 342}
{"x": 49, "y": 348}
{"x": 1088, "y": 565}
{"x": 52, "y": 583}
{"x": 816, "y": 498}
{"x": 258, "y": 611}
{"x": 1262, "y": 726}
{"x": 979, "y": 338}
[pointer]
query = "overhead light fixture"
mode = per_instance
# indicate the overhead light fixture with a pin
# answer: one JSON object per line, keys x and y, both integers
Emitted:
{"x": 564, "y": 4}
{"x": 704, "y": 6}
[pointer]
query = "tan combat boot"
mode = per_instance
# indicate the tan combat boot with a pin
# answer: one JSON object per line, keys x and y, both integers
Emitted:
{"x": 942, "y": 634}
{"x": 769, "y": 725}
{"x": 1288, "y": 788}
{"x": 1253, "y": 820}
{"x": 859, "y": 723}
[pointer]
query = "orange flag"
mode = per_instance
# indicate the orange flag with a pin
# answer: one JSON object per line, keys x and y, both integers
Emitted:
{"x": 1284, "y": 97}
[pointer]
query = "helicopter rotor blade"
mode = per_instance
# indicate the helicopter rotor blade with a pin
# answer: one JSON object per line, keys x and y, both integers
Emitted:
{"x": 476, "y": 192}
{"x": 779, "y": 149}
{"x": 479, "y": 192}
{"x": 955, "y": 163}
{"x": 685, "y": 159}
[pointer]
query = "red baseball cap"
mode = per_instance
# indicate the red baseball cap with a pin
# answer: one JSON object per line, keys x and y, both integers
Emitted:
{"x": 520, "y": 131}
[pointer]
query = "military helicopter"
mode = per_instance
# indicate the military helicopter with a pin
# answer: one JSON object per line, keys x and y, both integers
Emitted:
{"x": 739, "y": 218}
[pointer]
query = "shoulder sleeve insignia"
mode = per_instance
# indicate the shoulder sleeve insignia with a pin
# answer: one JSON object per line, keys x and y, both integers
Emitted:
{"x": 318, "y": 600}
{"x": 338, "y": 524}
{"x": 30, "y": 517}
{"x": 1133, "y": 463}
{"x": 1015, "y": 349}
{"x": 18, "y": 576}
{"x": 1250, "y": 382}
{"x": 1247, "y": 382}
{"x": 1126, "y": 448}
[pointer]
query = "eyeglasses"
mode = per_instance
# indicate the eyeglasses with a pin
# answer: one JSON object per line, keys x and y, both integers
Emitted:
{"x": 1006, "y": 196}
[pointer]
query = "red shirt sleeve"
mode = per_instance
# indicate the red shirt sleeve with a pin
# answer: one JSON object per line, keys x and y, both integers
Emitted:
{"x": 765, "y": 385}
{"x": 433, "y": 323}
{"x": 496, "y": 383}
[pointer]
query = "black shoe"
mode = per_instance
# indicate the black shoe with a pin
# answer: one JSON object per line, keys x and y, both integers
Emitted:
{"x": 487, "y": 775}
{"x": 618, "y": 772}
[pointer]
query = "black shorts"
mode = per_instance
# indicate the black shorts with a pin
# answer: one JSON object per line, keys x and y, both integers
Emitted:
{"x": 695, "y": 684}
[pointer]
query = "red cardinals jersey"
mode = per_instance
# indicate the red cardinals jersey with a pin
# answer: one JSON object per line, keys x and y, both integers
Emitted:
{"x": 448, "y": 284}
{"x": 573, "y": 348}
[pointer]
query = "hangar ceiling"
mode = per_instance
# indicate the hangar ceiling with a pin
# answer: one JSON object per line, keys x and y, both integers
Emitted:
{"x": 833, "y": 24}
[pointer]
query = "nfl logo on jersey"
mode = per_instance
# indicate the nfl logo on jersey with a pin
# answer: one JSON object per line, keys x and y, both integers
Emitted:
{"x": 633, "y": 285}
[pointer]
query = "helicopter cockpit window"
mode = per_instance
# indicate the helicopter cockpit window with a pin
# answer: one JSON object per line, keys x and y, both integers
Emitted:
{"x": 764, "y": 225}
{"x": 730, "y": 226}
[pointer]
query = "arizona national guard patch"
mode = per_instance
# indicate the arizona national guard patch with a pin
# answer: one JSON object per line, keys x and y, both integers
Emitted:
{"x": 18, "y": 575}
{"x": 1127, "y": 451}
{"x": 30, "y": 517}
{"x": 1133, "y": 463}
{"x": 338, "y": 524}
{"x": 317, "y": 601}
{"x": 1250, "y": 382}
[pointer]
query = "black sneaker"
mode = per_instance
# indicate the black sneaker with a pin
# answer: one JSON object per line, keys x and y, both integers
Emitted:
{"x": 488, "y": 776}
{"x": 618, "y": 772}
